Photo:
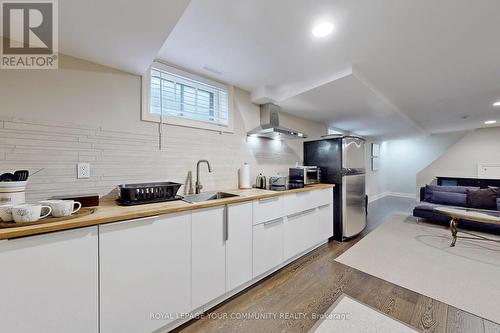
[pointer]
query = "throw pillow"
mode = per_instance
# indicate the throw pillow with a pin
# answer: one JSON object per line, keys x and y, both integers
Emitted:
{"x": 449, "y": 198}
{"x": 429, "y": 189}
{"x": 482, "y": 199}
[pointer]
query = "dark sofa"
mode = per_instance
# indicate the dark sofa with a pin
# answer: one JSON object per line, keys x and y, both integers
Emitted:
{"x": 432, "y": 196}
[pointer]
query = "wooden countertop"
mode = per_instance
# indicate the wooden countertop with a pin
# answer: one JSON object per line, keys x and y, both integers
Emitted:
{"x": 109, "y": 211}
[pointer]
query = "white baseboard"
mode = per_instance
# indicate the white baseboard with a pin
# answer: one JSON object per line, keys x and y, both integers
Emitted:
{"x": 372, "y": 198}
{"x": 391, "y": 194}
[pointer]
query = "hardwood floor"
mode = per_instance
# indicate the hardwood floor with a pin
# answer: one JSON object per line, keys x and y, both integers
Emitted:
{"x": 309, "y": 286}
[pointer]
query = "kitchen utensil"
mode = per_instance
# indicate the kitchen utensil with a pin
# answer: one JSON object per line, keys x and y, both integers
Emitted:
{"x": 21, "y": 175}
{"x": 260, "y": 181}
{"x": 6, "y": 213}
{"x": 29, "y": 212}
{"x": 62, "y": 208}
{"x": 245, "y": 176}
{"x": 6, "y": 177}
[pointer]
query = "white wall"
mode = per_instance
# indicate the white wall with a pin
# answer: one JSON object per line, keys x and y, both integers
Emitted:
{"x": 374, "y": 181}
{"x": 461, "y": 160}
{"x": 401, "y": 161}
{"x": 85, "y": 112}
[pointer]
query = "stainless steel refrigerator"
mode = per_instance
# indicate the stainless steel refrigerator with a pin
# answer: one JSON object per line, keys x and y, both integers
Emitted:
{"x": 342, "y": 162}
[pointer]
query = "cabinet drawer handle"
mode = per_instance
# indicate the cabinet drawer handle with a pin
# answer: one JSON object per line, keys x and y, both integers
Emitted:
{"x": 142, "y": 219}
{"x": 268, "y": 199}
{"x": 324, "y": 206}
{"x": 226, "y": 224}
{"x": 302, "y": 213}
{"x": 273, "y": 221}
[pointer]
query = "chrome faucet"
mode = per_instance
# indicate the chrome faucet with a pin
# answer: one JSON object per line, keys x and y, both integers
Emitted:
{"x": 198, "y": 185}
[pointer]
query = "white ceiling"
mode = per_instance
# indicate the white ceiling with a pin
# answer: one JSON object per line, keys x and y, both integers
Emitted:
{"x": 424, "y": 64}
{"x": 356, "y": 108}
{"x": 121, "y": 34}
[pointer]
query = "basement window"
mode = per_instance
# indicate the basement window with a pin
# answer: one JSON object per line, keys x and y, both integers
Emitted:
{"x": 176, "y": 97}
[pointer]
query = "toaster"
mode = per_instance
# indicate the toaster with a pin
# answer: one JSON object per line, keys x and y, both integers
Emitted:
{"x": 305, "y": 174}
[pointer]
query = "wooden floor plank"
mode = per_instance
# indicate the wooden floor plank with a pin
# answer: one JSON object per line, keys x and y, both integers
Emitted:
{"x": 429, "y": 315}
{"x": 463, "y": 322}
{"x": 394, "y": 301}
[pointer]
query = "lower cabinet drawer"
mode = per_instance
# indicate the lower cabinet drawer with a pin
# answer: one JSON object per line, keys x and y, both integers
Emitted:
{"x": 323, "y": 226}
{"x": 298, "y": 202}
{"x": 267, "y": 209}
{"x": 322, "y": 197}
{"x": 267, "y": 245}
{"x": 300, "y": 232}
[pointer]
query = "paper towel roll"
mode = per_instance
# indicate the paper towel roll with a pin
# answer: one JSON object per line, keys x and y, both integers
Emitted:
{"x": 245, "y": 176}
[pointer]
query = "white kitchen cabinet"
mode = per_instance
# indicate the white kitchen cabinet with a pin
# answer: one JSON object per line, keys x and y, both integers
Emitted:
{"x": 298, "y": 202}
{"x": 268, "y": 245}
{"x": 238, "y": 245}
{"x": 49, "y": 283}
{"x": 323, "y": 226}
{"x": 267, "y": 209}
{"x": 208, "y": 255}
{"x": 322, "y": 196}
{"x": 145, "y": 271}
{"x": 301, "y": 201}
{"x": 300, "y": 232}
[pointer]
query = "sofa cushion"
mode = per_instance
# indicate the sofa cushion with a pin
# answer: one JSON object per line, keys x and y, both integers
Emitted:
{"x": 427, "y": 206}
{"x": 449, "y": 198}
{"x": 429, "y": 189}
{"x": 483, "y": 198}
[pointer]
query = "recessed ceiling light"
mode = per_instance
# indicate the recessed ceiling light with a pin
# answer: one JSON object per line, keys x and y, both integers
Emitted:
{"x": 496, "y": 103}
{"x": 323, "y": 29}
{"x": 490, "y": 122}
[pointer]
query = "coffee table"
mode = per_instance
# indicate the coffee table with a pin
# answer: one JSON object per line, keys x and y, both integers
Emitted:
{"x": 476, "y": 215}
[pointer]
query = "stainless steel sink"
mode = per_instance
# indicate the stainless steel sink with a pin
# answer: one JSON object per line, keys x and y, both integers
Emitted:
{"x": 208, "y": 196}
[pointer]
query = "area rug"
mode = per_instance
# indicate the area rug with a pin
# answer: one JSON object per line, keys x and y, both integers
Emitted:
{"x": 348, "y": 315}
{"x": 418, "y": 256}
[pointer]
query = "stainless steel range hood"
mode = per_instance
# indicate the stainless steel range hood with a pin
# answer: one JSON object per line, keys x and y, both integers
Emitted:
{"x": 270, "y": 125}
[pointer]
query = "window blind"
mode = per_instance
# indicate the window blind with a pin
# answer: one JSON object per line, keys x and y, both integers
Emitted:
{"x": 178, "y": 96}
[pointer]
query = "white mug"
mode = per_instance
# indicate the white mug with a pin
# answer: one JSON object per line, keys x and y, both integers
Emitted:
{"x": 29, "y": 213}
{"x": 62, "y": 208}
{"x": 6, "y": 213}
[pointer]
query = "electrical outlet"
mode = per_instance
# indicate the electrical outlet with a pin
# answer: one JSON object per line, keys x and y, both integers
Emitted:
{"x": 83, "y": 170}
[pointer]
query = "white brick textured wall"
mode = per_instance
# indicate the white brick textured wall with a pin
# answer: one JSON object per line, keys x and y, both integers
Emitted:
{"x": 123, "y": 157}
